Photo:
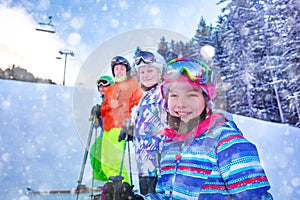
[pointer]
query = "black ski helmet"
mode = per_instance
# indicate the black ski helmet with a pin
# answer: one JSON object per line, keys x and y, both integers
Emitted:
{"x": 119, "y": 60}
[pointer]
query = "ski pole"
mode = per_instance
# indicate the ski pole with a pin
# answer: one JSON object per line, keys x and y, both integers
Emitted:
{"x": 129, "y": 160}
{"x": 127, "y": 123}
{"x": 123, "y": 156}
{"x": 95, "y": 147}
{"x": 85, "y": 157}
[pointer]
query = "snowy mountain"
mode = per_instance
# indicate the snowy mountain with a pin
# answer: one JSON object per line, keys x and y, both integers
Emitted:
{"x": 42, "y": 149}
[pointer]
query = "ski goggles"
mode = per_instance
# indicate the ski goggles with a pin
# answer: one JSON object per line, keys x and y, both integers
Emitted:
{"x": 104, "y": 83}
{"x": 145, "y": 56}
{"x": 119, "y": 60}
{"x": 196, "y": 70}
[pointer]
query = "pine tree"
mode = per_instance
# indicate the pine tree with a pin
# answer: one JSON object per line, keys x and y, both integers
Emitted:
{"x": 163, "y": 47}
{"x": 202, "y": 37}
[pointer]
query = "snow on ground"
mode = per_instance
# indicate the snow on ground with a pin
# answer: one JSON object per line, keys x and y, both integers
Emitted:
{"x": 40, "y": 147}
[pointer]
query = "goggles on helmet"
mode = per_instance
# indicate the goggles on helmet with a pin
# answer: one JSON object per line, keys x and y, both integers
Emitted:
{"x": 119, "y": 60}
{"x": 145, "y": 56}
{"x": 196, "y": 70}
{"x": 104, "y": 83}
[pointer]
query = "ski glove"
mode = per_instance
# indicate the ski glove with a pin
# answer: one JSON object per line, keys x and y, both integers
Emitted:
{"x": 96, "y": 110}
{"x": 137, "y": 197}
{"x": 95, "y": 113}
{"x": 126, "y": 131}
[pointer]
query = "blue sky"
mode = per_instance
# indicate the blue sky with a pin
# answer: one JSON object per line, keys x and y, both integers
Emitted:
{"x": 81, "y": 26}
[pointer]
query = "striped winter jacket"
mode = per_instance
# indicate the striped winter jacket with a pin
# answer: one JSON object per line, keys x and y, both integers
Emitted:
{"x": 214, "y": 162}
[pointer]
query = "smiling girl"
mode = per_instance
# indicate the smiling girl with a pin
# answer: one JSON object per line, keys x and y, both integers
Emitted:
{"x": 205, "y": 156}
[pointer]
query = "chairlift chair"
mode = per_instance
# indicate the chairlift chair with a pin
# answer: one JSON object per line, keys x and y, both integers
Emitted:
{"x": 46, "y": 27}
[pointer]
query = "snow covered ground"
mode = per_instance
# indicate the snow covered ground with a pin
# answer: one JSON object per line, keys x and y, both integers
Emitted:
{"x": 40, "y": 147}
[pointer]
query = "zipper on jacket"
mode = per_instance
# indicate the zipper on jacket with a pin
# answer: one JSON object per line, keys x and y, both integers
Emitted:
{"x": 178, "y": 158}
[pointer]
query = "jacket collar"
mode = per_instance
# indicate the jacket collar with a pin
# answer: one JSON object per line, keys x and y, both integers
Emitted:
{"x": 203, "y": 126}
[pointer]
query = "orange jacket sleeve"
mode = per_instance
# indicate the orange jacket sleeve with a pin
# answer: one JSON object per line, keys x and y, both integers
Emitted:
{"x": 136, "y": 95}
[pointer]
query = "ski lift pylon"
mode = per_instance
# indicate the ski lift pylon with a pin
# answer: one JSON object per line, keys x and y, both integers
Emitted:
{"x": 46, "y": 27}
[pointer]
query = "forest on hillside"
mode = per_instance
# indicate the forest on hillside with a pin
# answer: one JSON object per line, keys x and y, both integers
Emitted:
{"x": 20, "y": 74}
{"x": 257, "y": 57}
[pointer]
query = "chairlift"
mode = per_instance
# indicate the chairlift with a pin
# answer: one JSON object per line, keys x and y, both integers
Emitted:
{"x": 46, "y": 27}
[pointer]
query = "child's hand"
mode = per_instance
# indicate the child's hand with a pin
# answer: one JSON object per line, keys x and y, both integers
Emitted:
{"x": 126, "y": 133}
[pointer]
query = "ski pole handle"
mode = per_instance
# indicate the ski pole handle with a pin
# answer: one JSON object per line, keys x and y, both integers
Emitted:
{"x": 127, "y": 123}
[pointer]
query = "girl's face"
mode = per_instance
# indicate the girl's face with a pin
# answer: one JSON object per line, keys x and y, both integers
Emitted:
{"x": 185, "y": 101}
{"x": 149, "y": 75}
{"x": 120, "y": 70}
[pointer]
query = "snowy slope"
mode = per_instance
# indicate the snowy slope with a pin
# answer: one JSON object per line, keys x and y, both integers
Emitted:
{"x": 40, "y": 147}
{"x": 278, "y": 146}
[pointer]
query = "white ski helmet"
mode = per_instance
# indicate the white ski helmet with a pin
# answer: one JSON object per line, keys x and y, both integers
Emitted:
{"x": 149, "y": 58}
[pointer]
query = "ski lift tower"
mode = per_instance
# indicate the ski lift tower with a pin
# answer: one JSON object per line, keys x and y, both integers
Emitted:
{"x": 66, "y": 53}
{"x": 46, "y": 27}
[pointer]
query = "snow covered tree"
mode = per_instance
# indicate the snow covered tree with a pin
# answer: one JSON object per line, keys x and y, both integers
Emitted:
{"x": 288, "y": 28}
{"x": 163, "y": 47}
{"x": 256, "y": 35}
{"x": 167, "y": 50}
{"x": 202, "y": 37}
{"x": 242, "y": 24}
{"x": 281, "y": 37}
